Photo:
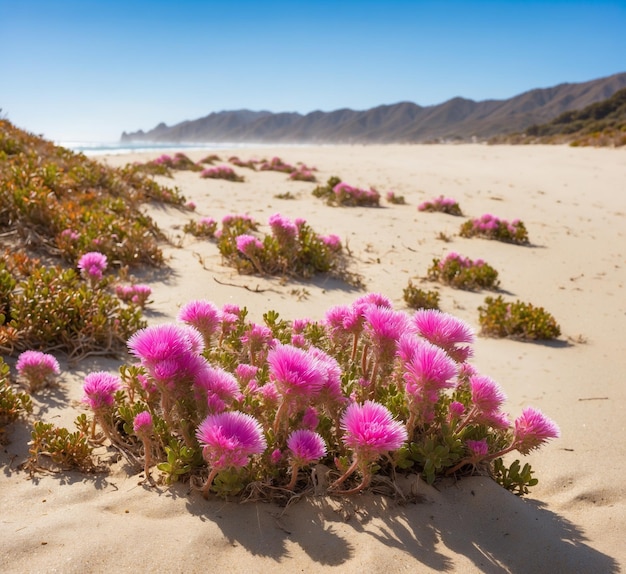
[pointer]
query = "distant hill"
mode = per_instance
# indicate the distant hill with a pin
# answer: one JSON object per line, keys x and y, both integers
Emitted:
{"x": 406, "y": 122}
{"x": 599, "y": 124}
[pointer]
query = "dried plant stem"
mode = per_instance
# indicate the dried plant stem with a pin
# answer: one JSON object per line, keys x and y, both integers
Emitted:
{"x": 279, "y": 415}
{"x": 206, "y": 487}
{"x": 147, "y": 456}
{"x": 345, "y": 475}
{"x": 294, "y": 476}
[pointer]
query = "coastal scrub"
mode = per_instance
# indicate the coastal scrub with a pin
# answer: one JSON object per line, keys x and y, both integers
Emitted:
{"x": 368, "y": 392}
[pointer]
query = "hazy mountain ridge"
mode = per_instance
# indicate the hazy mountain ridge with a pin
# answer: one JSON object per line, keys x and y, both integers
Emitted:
{"x": 600, "y": 124}
{"x": 404, "y": 122}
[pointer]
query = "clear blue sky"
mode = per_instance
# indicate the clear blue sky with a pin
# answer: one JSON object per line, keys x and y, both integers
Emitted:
{"x": 87, "y": 70}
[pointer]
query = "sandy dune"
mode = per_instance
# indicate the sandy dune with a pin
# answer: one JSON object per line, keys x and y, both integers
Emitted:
{"x": 573, "y": 203}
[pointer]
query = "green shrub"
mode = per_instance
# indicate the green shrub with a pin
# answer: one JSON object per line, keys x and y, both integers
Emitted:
{"x": 417, "y": 298}
{"x": 463, "y": 273}
{"x": 339, "y": 193}
{"x": 490, "y": 227}
{"x": 54, "y": 308}
{"x": 13, "y": 404}
{"x": 64, "y": 204}
{"x": 517, "y": 320}
{"x": 441, "y": 204}
{"x": 292, "y": 249}
{"x": 67, "y": 450}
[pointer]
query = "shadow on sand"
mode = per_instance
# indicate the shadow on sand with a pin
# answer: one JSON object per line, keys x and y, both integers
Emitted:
{"x": 475, "y": 518}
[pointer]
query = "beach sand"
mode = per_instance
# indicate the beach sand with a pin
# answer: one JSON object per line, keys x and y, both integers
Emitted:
{"x": 573, "y": 203}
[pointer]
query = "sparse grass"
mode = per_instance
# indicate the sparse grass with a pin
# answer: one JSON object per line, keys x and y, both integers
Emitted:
{"x": 417, "y": 298}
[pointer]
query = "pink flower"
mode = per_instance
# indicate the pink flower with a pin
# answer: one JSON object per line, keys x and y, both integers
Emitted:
{"x": 245, "y": 373}
{"x": 487, "y": 395}
{"x": 299, "y": 325}
{"x": 147, "y": 384}
{"x": 208, "y": 222}
{"x": 335, "y": 319}
{"x": 218, "y": 387}
{"x": 426, "y": 365}
{"x": 166, "y": 341}
{"x": 332, "y": 241}
{"x": 445, "y": 331}
{"x": 171, "y": 355}
{"x": 218, "y": 172}
{"x": 257, "y": 337}
{"x": 370, "y": 430}
{"x": 384, "y": 327}
{"x": 229, "y": 439}
{"x": 99, "y": 388}
{"x": 372, "y": 299}
{"x": 298, "y": 340}
{"x": 141, "y": 293}
{"x": 466, "y": 371}
{"x": 310, "y": 419}
{"x": 478, "y": 449}
{"x": 92, "y": 265}
{"x": 70, "y": 234}
{"x": 532, "y": 429}
{"x": 142, "y": 424}
{"x": 137, "y": 294}
{"x": 456, "y": 410}
{"x": 36, "y": 367}
{"x": 295, "y": 372}
{"x": 269, "y": 393}
{"x": 248, "y": 244}
{"x": 331, "y": 391}
{"x": 306, "y": 446}
{"x": 163, "y": 159}
{"x": 283, "y": 229}
{"x": 203, "y": 315}
{"x": 428, "y": 369}
{"x": 231, "y": 309}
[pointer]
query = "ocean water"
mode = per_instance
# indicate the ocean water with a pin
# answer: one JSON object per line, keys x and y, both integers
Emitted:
{"x": 116, "y": 148}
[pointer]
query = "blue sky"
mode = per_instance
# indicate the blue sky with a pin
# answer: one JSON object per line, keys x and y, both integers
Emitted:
{"x": 87, "y": 70}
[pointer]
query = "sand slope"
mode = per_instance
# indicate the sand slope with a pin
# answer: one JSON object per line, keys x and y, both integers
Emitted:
{"x": 573, "y": 202}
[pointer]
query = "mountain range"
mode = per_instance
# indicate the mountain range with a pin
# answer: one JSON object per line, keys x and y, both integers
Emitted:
{"x": 458, "y": 119}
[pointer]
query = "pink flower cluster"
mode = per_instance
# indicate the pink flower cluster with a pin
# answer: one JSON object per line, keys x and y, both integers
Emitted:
{"x": 164, "y": 159}
{"x": 92, "y": 265}
{"x": 233, "y": 219}
{"x": 493, "y": 227}
{"x": 462, "y": 261}
{"x": 402, "y": 376}
{"x": 99, "y": 390}
{"x": 277, "y": 164}
{"x": 332, "y": 241}
{"x": 229, "y": 439}
{"x": 442, "y": 204}
{"x": 248, "y": 244}
{"x": 70, "y": 234}
{"x": 302, "y": 174}
{"x": 220, "y": 172}
{"x": 488, "y": 222}
{"x": 348, "y": 195}
{"x": 37, "y": 368}
{"x": 137, "y": 294}
{"x": 283, "y": 229}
